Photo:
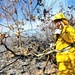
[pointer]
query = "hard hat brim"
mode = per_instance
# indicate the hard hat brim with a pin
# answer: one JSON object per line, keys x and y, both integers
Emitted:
{"x": 60, "y": 19}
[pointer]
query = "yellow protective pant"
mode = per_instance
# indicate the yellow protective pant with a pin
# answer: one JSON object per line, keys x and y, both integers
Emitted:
{"x": 66, "y": 63}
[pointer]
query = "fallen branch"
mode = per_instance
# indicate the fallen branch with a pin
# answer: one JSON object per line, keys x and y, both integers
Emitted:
{"x": 49, "y": 51}
{"x": 43, "y": 54}
{"x": 30, "y": 53}
{"x": 46, "y": 63}
{"x": 9, "y": 64}
{"x": 9, "y": 49}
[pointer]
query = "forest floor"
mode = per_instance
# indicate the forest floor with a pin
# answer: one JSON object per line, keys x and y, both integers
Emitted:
{"x": 25, "y": 65}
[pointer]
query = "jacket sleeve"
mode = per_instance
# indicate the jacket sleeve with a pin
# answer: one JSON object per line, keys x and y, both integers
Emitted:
{"x": 68, "y": 34}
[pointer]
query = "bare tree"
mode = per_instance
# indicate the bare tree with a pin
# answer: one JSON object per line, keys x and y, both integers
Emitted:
{"x": 15, "y": 14}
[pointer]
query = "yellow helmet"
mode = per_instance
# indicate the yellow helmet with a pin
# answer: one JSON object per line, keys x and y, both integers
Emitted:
{"x": 59, "y": 16}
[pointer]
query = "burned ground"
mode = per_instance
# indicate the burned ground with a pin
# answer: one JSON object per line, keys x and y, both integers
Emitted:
{"x": 26, "y": 62}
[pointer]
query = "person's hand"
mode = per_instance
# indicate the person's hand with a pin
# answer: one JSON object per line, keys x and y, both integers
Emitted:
{"x": 57, "y": 31}
{"x": 62, "y": 25}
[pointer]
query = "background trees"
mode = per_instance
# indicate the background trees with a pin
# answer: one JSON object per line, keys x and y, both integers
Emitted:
{"x": 21, "y": 15}
{"x": 26, "y": 24}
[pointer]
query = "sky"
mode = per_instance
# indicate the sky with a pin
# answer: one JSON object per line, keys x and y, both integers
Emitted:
{"x": 47, "y": 5}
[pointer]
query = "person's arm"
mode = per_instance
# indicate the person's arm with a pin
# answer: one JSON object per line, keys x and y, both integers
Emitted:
{"x": 68, "y": 34}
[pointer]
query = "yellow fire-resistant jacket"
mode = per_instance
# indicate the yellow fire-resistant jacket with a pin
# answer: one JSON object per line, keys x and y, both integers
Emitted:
{"x": 66, "y": 38}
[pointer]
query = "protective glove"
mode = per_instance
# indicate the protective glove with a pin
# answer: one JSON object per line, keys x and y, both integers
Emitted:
{"x": 57, "y": 31}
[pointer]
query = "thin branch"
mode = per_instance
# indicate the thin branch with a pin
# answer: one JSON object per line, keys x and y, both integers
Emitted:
{"x": 35, "y": 7}
{"x": 7, "y": 12}
{"x": 46, "y": 63}
{"x": 51, "y": 51}
{"x": 9, "y": 49}
{"x": 9, "y": 64}
{"x": 4, "y": 25}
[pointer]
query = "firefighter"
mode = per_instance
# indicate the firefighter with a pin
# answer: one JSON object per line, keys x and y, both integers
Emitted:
{"x": 65, "y": 45}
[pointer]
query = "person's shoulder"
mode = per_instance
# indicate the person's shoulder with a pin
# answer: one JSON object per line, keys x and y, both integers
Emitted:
{"x": 70, "y": 28}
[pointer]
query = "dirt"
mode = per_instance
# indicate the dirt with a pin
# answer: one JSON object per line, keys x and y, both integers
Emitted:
{"x": 26, "y": 65}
